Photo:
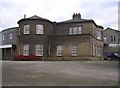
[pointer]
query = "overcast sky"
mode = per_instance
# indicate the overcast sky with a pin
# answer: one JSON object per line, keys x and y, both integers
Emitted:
{"x": 103, "y": 12}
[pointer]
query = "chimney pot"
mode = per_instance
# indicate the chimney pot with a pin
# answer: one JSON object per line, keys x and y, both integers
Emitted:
{"x": 76, "y": 16}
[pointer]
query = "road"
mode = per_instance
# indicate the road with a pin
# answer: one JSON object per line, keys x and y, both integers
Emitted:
{"x": 59, "y": 73}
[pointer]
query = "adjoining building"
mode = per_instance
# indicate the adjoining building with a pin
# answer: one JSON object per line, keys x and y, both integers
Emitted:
{"x": 8, "y": 43}
{"x": 74, "y": 39}
{"x": 0, "y": 45}
{"x": 111, "y": 41}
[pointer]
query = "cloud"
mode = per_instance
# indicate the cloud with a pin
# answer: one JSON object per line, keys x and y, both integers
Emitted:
{"x": 104, "y": 13}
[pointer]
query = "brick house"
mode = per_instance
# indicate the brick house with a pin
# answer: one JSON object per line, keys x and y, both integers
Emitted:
{"x": 111, "y": 41}
{"x": 74, "y": 39}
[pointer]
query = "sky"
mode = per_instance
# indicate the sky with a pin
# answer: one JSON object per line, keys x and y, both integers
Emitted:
{"x": 103, "y": 12}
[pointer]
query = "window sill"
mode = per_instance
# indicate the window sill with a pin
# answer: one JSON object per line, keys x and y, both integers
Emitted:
{"x": 74, "y": 55}
{"x": 59, "y": 56}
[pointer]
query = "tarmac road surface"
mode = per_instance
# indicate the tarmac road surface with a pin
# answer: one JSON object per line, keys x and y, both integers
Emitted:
{"x": 60, "y": 73}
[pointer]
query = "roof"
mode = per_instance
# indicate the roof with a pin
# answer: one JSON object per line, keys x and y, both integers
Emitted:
{"x": 10, "y": 28}
{"x": 35, "y": 17}
{"x": 75, "y": 20}
{"x": 80, "y": 20}
{"x": 111, "y": 29}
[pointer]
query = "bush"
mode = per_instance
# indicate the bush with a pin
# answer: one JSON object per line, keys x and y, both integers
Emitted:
{"x": 27, "y": 58}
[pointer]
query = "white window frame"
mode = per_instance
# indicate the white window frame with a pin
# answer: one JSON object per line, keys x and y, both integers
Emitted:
{"x": 11, "y": 35}
{"x": 114, "y": 45}
{"x": 70, "y": 30}
{"x": 26, "y": 50}
{"x": 75, "y": 30}
{"x": 93, "y": 49}
{"x": 99, "y": 35}
{"x": 79, "y": 30}
{"x": 26, "y": 29}
{"x": 74, "y": 50}
{"x": 99, "y": 51}
{"x": 113, "y": 38}
{"x": 39, "y": 29}
{"x": 39, "y": 50}
{"x": 59, "y": 50}
{"x": 105, "y": 39}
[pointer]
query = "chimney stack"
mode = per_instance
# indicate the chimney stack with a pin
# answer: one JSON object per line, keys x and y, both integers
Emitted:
{"x": 24, "y": 15}
{"x": 76, "y": 16}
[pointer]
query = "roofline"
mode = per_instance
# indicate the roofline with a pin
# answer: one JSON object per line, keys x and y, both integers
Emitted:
{"x": 111, "y": 29}
{"x": 82, "y": 22}
{"x": 33, "y": 19}
{"x": 9, "y": 28}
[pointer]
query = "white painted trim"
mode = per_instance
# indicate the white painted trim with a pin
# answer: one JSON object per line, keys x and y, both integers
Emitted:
{"x": 6, "y": 46}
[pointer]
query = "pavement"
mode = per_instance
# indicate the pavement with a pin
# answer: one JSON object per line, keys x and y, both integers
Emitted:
{"x": 60, "y": 73}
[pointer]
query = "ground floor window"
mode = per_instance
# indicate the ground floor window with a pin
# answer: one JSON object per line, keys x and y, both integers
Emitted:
{"x": 93, "y": 49}
{"x": 99, "y": 51}
{"x": 39, "y": 50}
{"x": 26, "y": 50}
{"x": 59, "y": 50}
{"x": 74, "y": 50}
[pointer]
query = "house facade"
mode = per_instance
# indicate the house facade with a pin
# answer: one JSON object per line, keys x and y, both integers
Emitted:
{"x": 111, "y": 41}
{"x": 74, "y": 39}
{"x": 8, "y": 43}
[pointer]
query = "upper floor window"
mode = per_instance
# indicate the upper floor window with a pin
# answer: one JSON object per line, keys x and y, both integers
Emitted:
{"x": 59, "y": 50}
{"x": 80, "y": 30}
{"x": 105, "y": 39}
{"x": 112, "y": 38}
{"x": 75, "y": 30}
{"x": 74, "y": 50}
{"x": 26, "y": 50}
{"x": 39, "y": 29}
{"x": 26, "y": 29}
{"x": 99, "y": 35}
{"x": 39, "y": 50}
{"x": 3, "y": 37}
{"x": 11, "y": 36}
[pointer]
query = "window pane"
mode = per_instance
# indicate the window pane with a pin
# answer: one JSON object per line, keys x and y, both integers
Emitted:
{"x": 111, "y": 38}
{"x": 70, "y": 30}
{"x": 114, "y": 38}
{"x": 59, "y": 50}
{"x": 74, "y": 30}
{"x": 99, "y": 51}
{"x": 39, "y": 29}
{"x": 10, "y": 35}
{"x": 93, "y": 47}
{"x": 105, "y": 39}
{"x": 26, "y": 50}
{"x": 74, "y": 50}
{"x": 79, "y": 30}
{"x": 39, "y": 50}
{"x": 99, "y": 35}
{"x": 26, "y": 29}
